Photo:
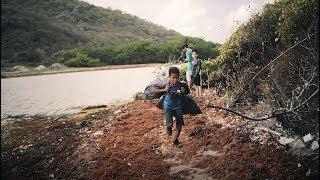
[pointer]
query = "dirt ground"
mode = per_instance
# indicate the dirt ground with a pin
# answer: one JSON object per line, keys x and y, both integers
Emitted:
{"x": 129, "y": 142}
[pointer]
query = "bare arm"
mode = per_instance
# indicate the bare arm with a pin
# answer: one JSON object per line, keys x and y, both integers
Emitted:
{"x": 156, "y": 90}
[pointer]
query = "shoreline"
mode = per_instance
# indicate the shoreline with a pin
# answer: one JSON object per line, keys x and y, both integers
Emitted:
{"x": 114, "y": 104}
{"x": 13, "y": 74}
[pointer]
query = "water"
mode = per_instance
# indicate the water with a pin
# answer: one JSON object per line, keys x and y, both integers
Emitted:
{"x": 69, "y": 92}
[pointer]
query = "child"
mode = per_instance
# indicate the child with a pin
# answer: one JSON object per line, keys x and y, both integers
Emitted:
{"x": 172, "y": 103}
{"x": 196, "y": 70}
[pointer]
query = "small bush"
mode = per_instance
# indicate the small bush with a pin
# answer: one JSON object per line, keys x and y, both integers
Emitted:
{"x": 82, "y": 60}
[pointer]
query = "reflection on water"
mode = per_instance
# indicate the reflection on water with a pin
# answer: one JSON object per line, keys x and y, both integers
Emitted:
{"x": 66, "y": 93}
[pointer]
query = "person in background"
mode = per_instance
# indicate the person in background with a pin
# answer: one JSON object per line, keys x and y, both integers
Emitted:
{"x": 196, "y": 73}
{"x": 185, "y": 49}
{"x": 182, "y": 56}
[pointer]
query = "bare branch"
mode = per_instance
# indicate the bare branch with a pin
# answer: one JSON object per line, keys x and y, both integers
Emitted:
{"x": 239, "y": 114}
{"x": 310, "y": 97}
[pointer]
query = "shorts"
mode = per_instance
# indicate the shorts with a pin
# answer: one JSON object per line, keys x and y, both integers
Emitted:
{"x": 178, "y": 114}
{"x": 188, "y": 75}
{"x": 196, "y": 80}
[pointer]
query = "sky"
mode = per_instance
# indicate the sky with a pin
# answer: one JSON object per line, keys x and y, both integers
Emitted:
{"x": 212, "y": 20}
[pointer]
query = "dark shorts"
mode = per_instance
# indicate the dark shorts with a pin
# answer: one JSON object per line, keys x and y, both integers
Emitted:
{"x": 178, "y": 114}
{"x": 196, "y": 80}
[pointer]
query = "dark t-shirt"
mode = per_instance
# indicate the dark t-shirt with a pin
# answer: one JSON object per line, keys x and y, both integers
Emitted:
{"x": 173, "y": 97}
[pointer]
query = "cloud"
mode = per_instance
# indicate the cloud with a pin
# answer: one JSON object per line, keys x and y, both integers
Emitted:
{"x": 213, "y": 20}
{"x": 186, "y": 17}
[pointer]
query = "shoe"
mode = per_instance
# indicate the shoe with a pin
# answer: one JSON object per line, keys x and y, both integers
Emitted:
{"x": 177, "y": 143}
{"x": 169, "y": 131}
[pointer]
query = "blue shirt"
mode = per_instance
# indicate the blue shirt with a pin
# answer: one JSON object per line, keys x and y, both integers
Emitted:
{"x": 189, "y": 59}
{"x": 173, "y": 98}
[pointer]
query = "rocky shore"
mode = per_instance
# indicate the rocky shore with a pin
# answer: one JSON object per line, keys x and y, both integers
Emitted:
{"x": 129, "y": 142}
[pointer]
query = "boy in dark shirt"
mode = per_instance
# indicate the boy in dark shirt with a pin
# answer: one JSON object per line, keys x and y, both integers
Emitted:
{"x": 172, "y": 103}
{"x": 196, "y": 73}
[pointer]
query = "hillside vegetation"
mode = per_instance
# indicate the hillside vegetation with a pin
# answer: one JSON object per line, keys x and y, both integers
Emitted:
{"x": 34, "y": 31}
{"x": 274, "y": 58}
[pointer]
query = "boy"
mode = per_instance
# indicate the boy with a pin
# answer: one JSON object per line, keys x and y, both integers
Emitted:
{"x": 172, "y": 103}
{"x": 185, "y": 49}
{"x": 196, "y": 73}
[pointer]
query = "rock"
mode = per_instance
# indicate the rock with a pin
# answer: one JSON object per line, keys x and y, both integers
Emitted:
{"x": 51, "y": 175}
{"x": 299, "y": 165}
{"x": 78, "y": 9}
{"x": 20, "y": 68}
{"x": 307, "y": 138}
{"x": 299, "y": 144}
{"x": 129, "y": 164}
{"x": 308, "y": 173}
{"x": 301, "y": 152}
{"x": 138, "y": 96}
{"x": 40, "y": 67}
{"x": 58, "y": 65}
{"x": 285, "y": 141}
{"x": 314, "y": 145}
{"x": 117, "y": 111}
{"x": 98, "y": 133}
{"x": 62, "y": 15}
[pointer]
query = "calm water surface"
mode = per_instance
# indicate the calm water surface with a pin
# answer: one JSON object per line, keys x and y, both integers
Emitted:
{"x": 69, "y": 92}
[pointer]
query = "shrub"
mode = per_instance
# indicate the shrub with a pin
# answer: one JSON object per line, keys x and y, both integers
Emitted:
{"x": 82, "y": 60}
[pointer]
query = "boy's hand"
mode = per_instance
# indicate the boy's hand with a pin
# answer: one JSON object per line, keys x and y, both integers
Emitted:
{"x": 167, "y": 88}
{"x": 153, "y": 90}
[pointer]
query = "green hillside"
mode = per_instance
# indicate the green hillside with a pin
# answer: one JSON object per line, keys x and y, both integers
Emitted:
{"x": 274, "y": 58}
{"x": 33, "y": 31}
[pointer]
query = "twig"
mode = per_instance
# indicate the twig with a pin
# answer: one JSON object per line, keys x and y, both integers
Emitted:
{"x": 242, "y": 115}
{"x": 298, "y": 107}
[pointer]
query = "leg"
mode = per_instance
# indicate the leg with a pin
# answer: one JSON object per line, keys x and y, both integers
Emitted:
{"x": 189, "y": 85}
{"x": 169, "y": 121}
{"x": 188, "y": 77}
{"x": 178, "y": 131}
{"x": 200, "y": 91}
{"x": 197, "y": 83}
{"x": 179, "y": 123}
{"x": 196, "y": 91}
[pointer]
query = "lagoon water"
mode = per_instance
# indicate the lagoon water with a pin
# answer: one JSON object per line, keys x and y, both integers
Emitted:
{"x": 69, "y": 92}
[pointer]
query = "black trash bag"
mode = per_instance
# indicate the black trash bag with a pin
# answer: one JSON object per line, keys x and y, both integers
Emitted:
{"x": 189, "y": 106}
{"x": 158, "y": 83}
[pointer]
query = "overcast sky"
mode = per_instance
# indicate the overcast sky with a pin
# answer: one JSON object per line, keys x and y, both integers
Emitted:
{"x": 213, "y": 20}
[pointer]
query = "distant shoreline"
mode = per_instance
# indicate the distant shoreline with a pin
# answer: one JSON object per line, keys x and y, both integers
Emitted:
{"x": 5, "y": 75}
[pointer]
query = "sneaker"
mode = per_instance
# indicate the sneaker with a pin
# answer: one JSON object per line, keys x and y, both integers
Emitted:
{"x": 169, "y": 131}
{"x": 177, "y": 143}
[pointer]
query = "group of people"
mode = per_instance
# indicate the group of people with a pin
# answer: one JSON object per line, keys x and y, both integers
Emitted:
{"x": 176, "y": 90}
{"x": 193, "y": 72}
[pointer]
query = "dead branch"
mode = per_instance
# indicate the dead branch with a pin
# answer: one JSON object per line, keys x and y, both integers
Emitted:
{"x": 271, "y": 115}
{"x": 249, "y": 83}
{"x": 240, "y": 114}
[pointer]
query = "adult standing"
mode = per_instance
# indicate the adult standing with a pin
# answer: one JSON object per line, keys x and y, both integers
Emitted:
{"x": 185, "y": 49}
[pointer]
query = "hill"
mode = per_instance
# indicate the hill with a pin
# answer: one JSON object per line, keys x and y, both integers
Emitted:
{"x": 32, "y": 31}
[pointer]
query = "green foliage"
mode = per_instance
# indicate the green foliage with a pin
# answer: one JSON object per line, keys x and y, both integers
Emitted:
{"x": 276, "y": 28}
{"x": 55, "y": 25}
{"x": 296, "y": 18}
{"x": 207, "y": 50}
{"x": 82, "y": 60}
{"x": 41, "y": 32}
{"x": 208, "y": 68}
{"x": 143, "y": 51}
{"x": 264, "y": 38}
